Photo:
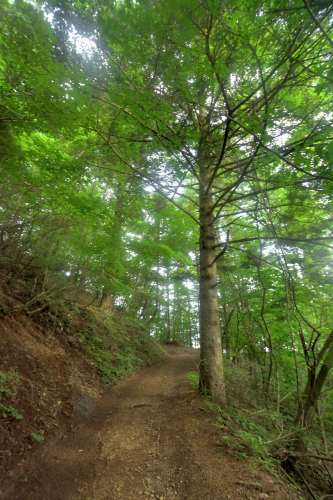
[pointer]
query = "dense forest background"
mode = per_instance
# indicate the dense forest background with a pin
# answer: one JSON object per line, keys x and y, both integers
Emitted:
{"x": 164, "y": 158}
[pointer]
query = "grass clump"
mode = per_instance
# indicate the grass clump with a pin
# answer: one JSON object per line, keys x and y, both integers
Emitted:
{"x": 193, "y": 378}
{"x": 9, "y": 381}
{"x": 38, "y": 437}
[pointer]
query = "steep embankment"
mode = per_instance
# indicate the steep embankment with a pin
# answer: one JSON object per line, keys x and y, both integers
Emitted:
{"x": 148, "y": 438}
{"x": 52, "y": 361}
{"x": 43, "y": 381}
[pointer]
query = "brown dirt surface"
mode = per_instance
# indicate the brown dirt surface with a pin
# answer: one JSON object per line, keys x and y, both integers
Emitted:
{"x": 52, "y": 377}
{"x": 148, "y": 438}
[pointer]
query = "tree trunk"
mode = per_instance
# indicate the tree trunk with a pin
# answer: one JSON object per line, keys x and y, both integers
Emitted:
{"x": 211, "y": 362}
{"x": 314, "y": 386}
{"x": 168, "y": 332}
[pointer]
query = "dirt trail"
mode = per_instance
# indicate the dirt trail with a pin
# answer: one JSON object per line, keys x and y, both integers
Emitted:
{"x": 147, "y": 439}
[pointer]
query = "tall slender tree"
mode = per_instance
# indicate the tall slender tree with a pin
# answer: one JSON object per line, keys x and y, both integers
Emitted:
{"x": 216, "y": 100}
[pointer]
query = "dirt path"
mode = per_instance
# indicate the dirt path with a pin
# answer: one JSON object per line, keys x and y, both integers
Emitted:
{"x": 147, "y": 439}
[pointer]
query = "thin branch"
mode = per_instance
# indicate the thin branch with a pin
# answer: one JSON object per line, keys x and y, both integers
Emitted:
{"x": 312, "y": 241}
{"x": 158, "y": 188}
{"x": 317, "y": 23}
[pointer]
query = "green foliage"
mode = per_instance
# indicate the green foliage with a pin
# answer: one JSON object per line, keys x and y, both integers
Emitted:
{"x": 254, "y": 442}
{"x": 10, "y": 411}
{"x": 100, "y": 191}
{"x": 38, "y": 437}
{"x": 110, "y": 366}
{"x": 246, "y": 434}
{"x": 193, "y": 378}
{"x": 115, "y": 351}
{"x": 9, "y": 381}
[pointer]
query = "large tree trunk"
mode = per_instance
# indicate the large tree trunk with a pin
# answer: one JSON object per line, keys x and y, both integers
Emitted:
{"x": 211, "y": 361}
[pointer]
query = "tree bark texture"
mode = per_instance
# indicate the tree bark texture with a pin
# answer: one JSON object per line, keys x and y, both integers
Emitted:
{"x": 211, "y": 361}
{"x": 316, "y": 381}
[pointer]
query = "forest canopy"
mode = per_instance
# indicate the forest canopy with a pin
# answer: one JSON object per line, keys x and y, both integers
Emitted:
{"x": 173, "y": 158}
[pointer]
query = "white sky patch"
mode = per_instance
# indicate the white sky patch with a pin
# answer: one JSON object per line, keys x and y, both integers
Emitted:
{"x": 119, "y": 301}
{"x": 189, "y": 284}
{"x": 148, "y": 217}
{"x": 85, "y": 46}
{"x": 108, "y": 194}
{"x": 276, "y": 169}
{"x": 250, "y": 284}
{"x": 233, "y": 80}
{"x": 222, "y": 234}
{"x": 282, "y": 139}
{"x": 179, "y": 56}
{"x": 180, "y": 116}
{"x": 269, "y": 249}
{"x": 192, "y": 256}
{"x": 160, "y": 88}
{"x": 297, "y": 268}
{"x": 282, "y": 131}
{"x": 134, "y": 236}
{"x": 327, "y": 116}
{"x": 160, "y": 270}
{"x": 149, "y": 189}
{"x": 132, "y": 254}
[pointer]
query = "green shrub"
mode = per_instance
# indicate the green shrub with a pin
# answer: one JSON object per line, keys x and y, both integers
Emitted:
{"x": 193, "y": 379}
{"x": 10, "y": 411}
{"x": 254, "y": 442}
{"x": 38, "y": 437}
{"x": 8, "y": 383}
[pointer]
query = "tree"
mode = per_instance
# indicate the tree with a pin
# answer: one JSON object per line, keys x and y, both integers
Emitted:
{"x": 213, "y": 101}
{"x": 223, "y": 109}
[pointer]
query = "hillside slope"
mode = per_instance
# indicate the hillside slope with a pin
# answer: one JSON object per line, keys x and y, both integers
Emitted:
{"x": 53, "y": 365}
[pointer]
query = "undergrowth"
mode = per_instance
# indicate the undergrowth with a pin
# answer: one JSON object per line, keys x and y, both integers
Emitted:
{"x": 245, "y": 433}
{"x": 252, "y": 426}
{"x": 9, "y": 381}
{"x": 116, "y": 343}
{"x": 193, "y": 379}
{"x": 116, "y": 346}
